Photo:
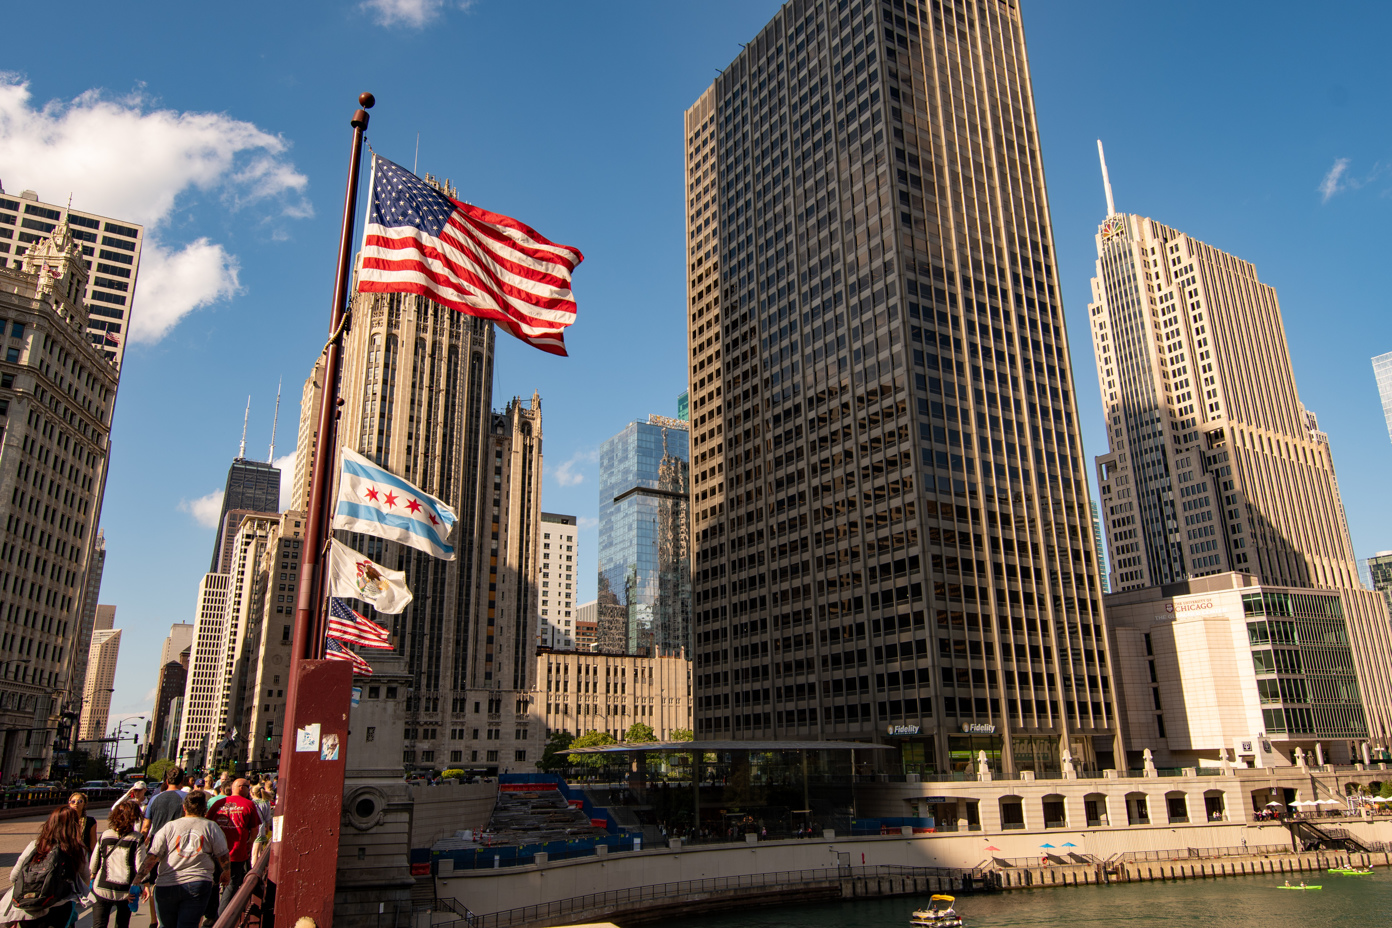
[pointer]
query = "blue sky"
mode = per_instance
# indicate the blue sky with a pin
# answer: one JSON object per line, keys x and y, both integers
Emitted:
{"x": 1262, "y": 130}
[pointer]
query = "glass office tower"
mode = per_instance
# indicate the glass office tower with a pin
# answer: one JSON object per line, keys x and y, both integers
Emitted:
{"x": 891, "y": 527}
{"x": 644, "y": 567}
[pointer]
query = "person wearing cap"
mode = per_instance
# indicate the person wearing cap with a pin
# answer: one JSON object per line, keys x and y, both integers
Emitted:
{"x": 136, "y": 794}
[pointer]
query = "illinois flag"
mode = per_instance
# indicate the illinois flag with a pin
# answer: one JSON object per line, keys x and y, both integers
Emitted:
{"x": 374, "y": 501}
{"x": 353, "y": 576}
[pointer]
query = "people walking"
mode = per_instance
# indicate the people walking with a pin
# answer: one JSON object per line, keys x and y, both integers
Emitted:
{"x": 165, "y": 806}
{"x": 187, "y": 852}
{"x": 49, "y": 876}
{"x": 240, "y": 822}
{"x": 114, "y": 864}
{"x": 78, "y": 803}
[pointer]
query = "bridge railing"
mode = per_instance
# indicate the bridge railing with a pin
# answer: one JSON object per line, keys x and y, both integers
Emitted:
{"x": 249, "y": 907}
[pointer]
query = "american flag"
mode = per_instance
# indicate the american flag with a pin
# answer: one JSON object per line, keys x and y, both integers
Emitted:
{"x": 420, "y": 241}
{"x": 335, "y": 651}
{"x": 113, "y": 338}
{"x": 347, "y": 624}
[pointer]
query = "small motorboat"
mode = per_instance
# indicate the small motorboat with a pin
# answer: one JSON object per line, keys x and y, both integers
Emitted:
{"x": 1301, "y": 885}
{"x": 1352, "y": 871}
{"x": 939, "y": 914}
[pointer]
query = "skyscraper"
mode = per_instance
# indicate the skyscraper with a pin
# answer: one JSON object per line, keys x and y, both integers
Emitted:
{"x": 1382, "y": 371}
{"x": 417, "y": 390}
{"x": 111, "y": 249}
{"x": 230, "y": 611}
{"x": 102, "y": 655}
{"x": 890, "y": 524}
{"x": 1209, "y": 442}
{"x": 555, "y": 585}
{"x": 644, "y": 570}
{"x": 169, "y": 686}
{"x": 56, "y": 394}
{"x": 252, "y": 486}
{"x": 1221, "y": 505}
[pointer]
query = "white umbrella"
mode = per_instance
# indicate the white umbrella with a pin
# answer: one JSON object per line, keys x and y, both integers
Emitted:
{"x": 1330, "y": 802}
{"x": 1273, "y": 804}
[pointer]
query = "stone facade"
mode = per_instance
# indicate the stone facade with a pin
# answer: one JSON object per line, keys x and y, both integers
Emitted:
{"x": 56, "y": 394}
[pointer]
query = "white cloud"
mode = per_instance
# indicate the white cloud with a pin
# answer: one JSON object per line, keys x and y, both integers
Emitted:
{"x": 205, "y": 510}
{"x": 287, "y": 480}
{"x": 567, "y": 474}
{"x": 1334, "y": 181}
{"x": 586, "y": 522}
{"x": 125, "y": 158}
{"x": 173, "y": 284}
{"x": 413, "y": 14}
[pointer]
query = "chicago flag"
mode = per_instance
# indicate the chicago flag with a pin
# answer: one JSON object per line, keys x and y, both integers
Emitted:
{"x": 374, "y": 501}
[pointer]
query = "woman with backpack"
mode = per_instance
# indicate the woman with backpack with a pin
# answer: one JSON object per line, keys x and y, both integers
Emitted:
{"x": 113, "y": 866}
{"x": 49, "y": 876}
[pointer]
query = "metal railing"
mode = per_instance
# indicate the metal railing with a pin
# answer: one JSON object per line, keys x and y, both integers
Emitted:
{"x": 1205, "y": 853}
{"x": 249, "y": 907}
{"x": 638, "y": 897}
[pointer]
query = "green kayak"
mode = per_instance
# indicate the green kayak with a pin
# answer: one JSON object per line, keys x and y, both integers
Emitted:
{"x": 1301, "y": 886}
{"x": 1351, "y": 871}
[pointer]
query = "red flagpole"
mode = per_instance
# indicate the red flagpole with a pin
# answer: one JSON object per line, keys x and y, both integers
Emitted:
{"x": 305, "y": 838}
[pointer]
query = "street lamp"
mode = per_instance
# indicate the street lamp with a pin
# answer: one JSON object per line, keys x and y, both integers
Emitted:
{"x": 116, "y": 736}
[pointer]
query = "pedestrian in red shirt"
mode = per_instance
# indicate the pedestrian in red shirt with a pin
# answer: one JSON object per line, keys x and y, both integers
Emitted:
{"x": 240, "y": 821}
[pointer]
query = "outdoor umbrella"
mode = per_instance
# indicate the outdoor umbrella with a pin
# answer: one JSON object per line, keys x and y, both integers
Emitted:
{"x": 1069, "y": 844}
{"x": 1049, "y": 846}
{"x": 1276, "y": 804}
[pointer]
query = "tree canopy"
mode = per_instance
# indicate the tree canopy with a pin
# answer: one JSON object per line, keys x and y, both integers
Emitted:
{"x": 554, "y": 756}
{"x": 639, "y": 733}
{"x": 591, "y": 739}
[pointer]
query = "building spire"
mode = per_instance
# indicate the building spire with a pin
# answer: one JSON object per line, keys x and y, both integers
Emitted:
{"x": 275, "y": 420}
{"x": 1106, "y": 182}
{"x": 241, "y": 453}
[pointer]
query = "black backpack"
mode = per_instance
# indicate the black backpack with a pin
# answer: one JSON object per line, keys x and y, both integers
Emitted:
{"x": 43, "y": 882}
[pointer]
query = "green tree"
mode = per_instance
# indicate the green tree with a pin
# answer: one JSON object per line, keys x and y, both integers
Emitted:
{"x": 591, "y": 739}
{"x": 155, "y": 772}
{"x": 554, "y": 758}
{"x": 1386, "y": 791}
{"x": 683, "y": 734}
{"x": 639, "y": 733}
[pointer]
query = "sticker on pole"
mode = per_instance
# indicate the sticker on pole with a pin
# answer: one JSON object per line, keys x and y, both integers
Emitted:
{"x": 277, "y": 828}
{"x": 328, "y": 749}
{"x": 307, "y": 738}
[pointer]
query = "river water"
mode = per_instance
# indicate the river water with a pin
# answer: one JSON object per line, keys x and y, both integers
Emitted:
{"x": 1230, "y": 902}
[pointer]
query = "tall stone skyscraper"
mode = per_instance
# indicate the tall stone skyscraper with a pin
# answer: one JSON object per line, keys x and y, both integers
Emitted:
{"x": 1220, "y": 484}
{"x": 102, "y": 655}
{"x": 418, "y": 390}
{"x": 644, "y": 525}
{"x": 57, "y": 390}
{"x": 890, "y": 522}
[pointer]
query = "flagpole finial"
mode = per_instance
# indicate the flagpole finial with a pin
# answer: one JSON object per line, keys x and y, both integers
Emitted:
{"x": 366, "y": 100}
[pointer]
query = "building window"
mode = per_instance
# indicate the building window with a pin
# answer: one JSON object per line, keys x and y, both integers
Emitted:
{"x": 371, "y": 734}
{"x": 456, "y": 757}
{"x": 519, "y": 755}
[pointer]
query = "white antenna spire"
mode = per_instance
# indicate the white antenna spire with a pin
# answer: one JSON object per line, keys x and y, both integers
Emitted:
{"x": 241, "y": 454}
{"x": 275, "y": 420}
{"x": 1106, "y": 182}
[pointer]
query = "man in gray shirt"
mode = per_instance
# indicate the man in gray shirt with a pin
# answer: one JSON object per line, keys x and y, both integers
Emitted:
{"x": 188, "y": 851}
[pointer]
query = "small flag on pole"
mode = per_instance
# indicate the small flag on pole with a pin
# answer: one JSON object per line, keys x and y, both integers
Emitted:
{"x": 484, "y": 264}
{"x": 374, "y": 501}
{"x": 112, "y": 338}
{"x": 347, "y": 624}
{"x": 335, "y": 651}
{"x": 353, "y": 576}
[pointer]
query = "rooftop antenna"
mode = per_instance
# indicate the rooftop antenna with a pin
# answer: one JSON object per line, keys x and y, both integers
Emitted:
{"x": 241, "y": 455}
{"x": 274, "y": 421}
{"x": 1106, "y": 182}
